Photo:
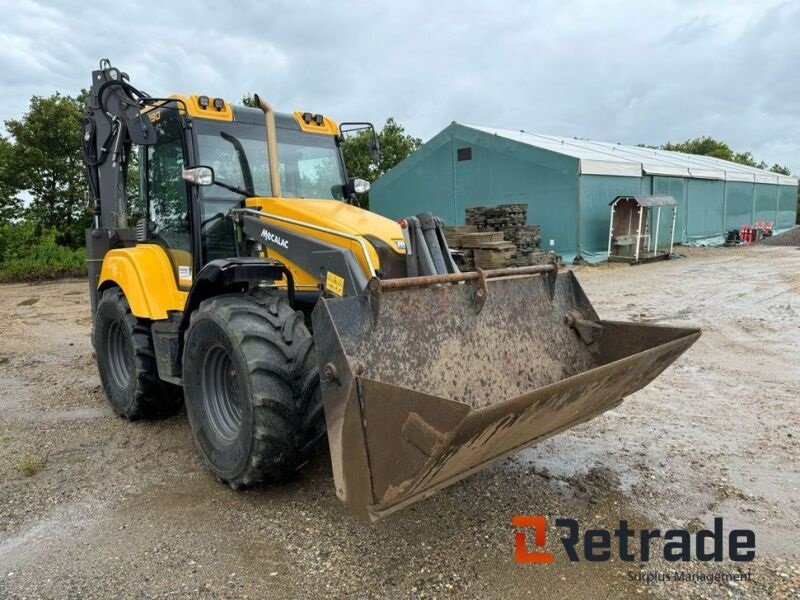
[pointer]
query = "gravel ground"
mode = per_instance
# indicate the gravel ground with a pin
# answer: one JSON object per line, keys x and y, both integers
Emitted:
{"x": 787, "y": 238}
{"x": 92, "y": 506}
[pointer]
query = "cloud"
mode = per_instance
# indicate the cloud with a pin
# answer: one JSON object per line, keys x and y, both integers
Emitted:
{"x": 626, "y": 71}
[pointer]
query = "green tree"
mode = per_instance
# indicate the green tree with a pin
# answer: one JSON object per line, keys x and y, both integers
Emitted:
{"x": 395, "y": 144}
{"x": 706, "y": 146}
{"x": 10, "y": 205}
{"x": 47, "y": 160}
{"x": 782, "y": 169}
{"x": 136, "y": 205}
{"x": 249, "y": 100}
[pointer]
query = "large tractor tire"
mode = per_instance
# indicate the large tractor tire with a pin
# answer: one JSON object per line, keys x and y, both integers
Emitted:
{"x": 127, "y": 362}
{"x": 251, "y": 383}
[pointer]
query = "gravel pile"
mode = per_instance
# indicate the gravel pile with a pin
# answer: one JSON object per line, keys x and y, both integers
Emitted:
{"x": 787, "y": 238}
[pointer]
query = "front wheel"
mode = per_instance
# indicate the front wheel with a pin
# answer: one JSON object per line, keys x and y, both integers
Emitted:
{"x": 252, "y": 388}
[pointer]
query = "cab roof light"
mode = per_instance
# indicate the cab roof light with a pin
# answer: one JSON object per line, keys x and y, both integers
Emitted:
{"x": 307, "y": 117}
{"x": 319, "y": 119}
{"x": 219, "y": 103}
{"x": 203, "y": 102}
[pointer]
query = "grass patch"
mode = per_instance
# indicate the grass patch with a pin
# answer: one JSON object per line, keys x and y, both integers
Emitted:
{"x": 28, "y": 302}
{"x": 30, "y": 465}
{"x": 5, "y": 438}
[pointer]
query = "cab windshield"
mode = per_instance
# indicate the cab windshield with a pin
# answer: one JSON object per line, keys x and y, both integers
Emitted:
{"x": 309, "y": 163}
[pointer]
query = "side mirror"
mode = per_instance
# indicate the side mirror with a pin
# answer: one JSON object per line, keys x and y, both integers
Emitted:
{"x": 199, "y": 175}
{"x": 356, "y": 128}
{"x": 356, "y": 185}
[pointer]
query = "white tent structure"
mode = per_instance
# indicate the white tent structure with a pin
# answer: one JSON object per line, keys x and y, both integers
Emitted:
{"x": 604, "y": 158}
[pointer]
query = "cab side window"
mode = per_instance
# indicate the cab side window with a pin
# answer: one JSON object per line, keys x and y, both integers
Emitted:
{"x": 167, "y": 199}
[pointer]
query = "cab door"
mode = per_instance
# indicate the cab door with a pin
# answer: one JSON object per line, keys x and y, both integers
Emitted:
{"x": 167, "y": 194}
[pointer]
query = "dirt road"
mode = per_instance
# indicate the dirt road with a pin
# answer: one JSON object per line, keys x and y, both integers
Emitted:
{"x": 93, "y": 506}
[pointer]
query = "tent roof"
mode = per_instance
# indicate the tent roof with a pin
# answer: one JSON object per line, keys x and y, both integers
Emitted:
{"x": 604, "y": 158}
{"x": 648, "y": 200}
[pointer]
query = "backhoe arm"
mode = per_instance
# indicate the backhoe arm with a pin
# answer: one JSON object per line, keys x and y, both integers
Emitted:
{"x": 112, "y": 123}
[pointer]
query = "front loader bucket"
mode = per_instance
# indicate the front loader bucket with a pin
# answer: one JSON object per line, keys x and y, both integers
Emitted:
{"x": 425, "y": 385}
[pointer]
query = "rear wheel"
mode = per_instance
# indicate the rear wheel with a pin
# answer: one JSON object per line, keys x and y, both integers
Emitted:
{"x": 252, "y": 388}
{"x": 126, "y": 361}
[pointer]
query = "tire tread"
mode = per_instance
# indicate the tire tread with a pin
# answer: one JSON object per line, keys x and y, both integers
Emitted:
{"x": 284, "y": 382}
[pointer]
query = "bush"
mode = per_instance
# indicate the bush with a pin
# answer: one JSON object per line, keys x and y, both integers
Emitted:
{"x": 28, "y": 253}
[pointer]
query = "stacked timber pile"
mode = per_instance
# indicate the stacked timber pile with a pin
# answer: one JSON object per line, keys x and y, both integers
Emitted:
{"x": 472, "y": 242}
{"x": 526, "y": 236}
{"x": 453, "y": 234}
{"x": 495, "y": 237}
{"x": 533, "y": 256}
{"x": 497, "y": 218}
{"x": 509, "y": 219}
{"x": 494, "y": 255}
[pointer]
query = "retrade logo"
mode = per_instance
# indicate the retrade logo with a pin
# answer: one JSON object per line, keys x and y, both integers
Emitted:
{"x": 521, "y": 553}
{"x": 629, "y": 545}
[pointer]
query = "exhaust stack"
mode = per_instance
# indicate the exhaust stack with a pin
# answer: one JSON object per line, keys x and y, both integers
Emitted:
{"x": 272, "y": 146}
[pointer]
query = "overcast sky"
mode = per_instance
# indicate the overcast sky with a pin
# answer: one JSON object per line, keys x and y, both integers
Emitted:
{"x": 625, "y": 71}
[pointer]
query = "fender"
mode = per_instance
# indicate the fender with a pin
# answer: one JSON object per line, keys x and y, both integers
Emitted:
{"x": 146, "y": 277}
{"x": 221, "y": 276}
{"x": 226, "y": 275}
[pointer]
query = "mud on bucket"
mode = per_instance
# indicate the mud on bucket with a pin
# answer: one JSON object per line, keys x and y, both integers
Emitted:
{"x": 425, "y": 384}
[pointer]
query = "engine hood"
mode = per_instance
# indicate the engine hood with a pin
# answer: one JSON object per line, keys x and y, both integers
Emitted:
{"x": 333, "y": 214}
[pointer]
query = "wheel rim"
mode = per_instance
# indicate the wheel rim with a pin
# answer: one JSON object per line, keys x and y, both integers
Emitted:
{"x": 220, "y": 392}
{"x": 119, "y": 354}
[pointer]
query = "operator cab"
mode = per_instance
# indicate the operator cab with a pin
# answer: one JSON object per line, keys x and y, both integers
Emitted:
{"x": 309, "y": 163}
{"x": 231, "y": 140}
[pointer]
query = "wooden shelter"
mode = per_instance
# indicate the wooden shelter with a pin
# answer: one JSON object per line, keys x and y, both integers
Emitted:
{"x": 639, "y": 231}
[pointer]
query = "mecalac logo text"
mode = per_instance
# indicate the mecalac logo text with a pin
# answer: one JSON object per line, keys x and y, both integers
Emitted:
{"x": 630, "y": 545}
{"x": 270, "y": 237}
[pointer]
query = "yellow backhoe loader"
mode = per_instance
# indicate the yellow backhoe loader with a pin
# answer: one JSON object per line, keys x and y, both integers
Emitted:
{"x": 255, "y": 290}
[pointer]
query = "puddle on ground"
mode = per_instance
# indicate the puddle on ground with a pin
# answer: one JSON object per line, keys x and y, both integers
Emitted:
{"x": 66, "y": 522}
